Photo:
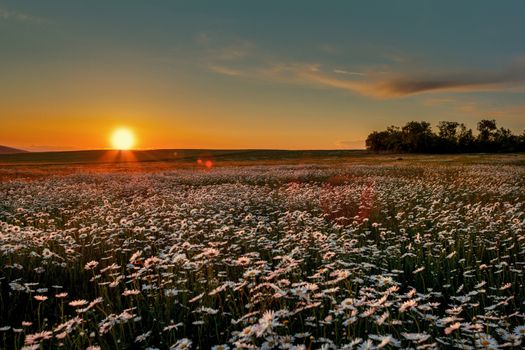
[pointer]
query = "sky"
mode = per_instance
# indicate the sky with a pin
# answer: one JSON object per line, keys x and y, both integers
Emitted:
{"x": 246, "y": 74}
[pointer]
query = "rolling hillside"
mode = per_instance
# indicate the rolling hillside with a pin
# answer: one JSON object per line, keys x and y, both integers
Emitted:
{"x": 10, "y": 150}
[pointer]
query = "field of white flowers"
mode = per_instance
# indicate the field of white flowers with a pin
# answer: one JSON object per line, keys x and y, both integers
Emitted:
{"x": 271, "y": 257}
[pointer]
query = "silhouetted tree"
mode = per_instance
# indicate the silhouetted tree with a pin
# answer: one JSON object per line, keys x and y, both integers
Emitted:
{"x": 504, "y": 141}
{"x": 487, "y": 134}
{"x": 447, "y": 140}
{"x": 417, "y": 136}
{"x": 395, "y": 139}
{"x": 452, "y": 137}
{"x": 377, "y": 141}
{"x": 466, "y": 140}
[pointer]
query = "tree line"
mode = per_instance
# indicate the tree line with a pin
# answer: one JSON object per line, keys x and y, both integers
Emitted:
{"x": 451, "y": 137}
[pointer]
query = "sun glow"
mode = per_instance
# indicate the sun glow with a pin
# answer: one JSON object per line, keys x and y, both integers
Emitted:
{"x": 122, "y": 139}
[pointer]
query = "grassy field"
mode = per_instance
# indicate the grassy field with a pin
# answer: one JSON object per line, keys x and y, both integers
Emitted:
{"x": 172, "y": 155}
{"x": 261, "y": 249}
{"x": 36, "y": 164}
{"x": 237, "y": 157}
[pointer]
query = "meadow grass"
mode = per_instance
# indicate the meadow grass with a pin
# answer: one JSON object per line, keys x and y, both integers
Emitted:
{"x": 417, "y": 252}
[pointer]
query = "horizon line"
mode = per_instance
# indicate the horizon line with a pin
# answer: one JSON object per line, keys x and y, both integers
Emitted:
{"x": 23, "y": 150}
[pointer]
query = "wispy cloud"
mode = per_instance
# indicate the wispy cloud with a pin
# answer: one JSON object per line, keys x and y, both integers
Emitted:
{"x": 49, "y": 148}
{"x": 509, "y": 113}
{"x": 355, "y": 144}
{"x": 234, "y": 50}
{"x": 6, "y": 14}
{"x": 459, "y": 82}
{"x": 384, "y": 85}
{"x": 241, "y": 60}
{"x": 345, "y": 72}
{"x": 308, "y": 74}
{"x": 437, "y": 101}
{"x": 225, "y": 70}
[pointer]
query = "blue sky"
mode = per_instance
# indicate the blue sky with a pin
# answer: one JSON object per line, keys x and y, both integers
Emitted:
{"x": 239, "y": 74}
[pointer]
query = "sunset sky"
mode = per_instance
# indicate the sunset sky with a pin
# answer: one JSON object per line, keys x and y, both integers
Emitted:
{"x": 246, "y": 74}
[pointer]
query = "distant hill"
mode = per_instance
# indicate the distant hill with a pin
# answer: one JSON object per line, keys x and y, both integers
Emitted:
{"x": 10, "y": 150}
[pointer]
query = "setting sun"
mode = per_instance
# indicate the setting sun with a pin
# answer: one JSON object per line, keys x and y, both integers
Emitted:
{"x": 122, "y": 139}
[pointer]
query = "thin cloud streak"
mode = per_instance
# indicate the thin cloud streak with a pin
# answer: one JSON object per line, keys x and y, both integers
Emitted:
{"x": 353, "y": 144}
{"x": 380, "y": 84}
{"x": 342, "y": 71}
{"x": 19, "y": 16}
{"x": 477, "y": 81}
{"x": 226, "y": 71}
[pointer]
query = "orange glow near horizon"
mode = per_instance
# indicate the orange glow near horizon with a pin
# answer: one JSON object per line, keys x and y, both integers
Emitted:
{"x": 94, "y": 130}
{"x": 122, "y": 139}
